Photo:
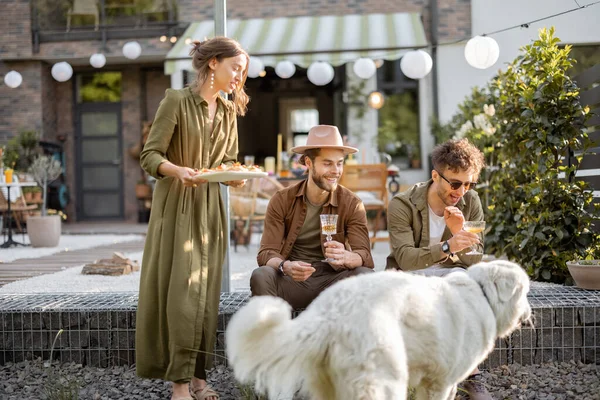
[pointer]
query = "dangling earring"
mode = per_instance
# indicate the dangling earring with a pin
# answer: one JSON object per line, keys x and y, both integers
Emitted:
{"x": 212, "y": 80}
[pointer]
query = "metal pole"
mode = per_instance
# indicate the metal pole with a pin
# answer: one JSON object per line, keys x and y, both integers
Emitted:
{"x": 221, "y": 30}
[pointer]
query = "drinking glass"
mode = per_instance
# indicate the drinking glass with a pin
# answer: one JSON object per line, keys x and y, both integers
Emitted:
{"x": 328, "y": 228}
{"x": 249, "y": 160}
{"x": 474, "y": 227}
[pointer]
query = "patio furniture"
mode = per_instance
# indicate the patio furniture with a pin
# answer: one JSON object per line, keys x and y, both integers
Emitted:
{"x": 369, "y": 182}
{"x": 84, "y": 7}
{"x": 249, "y": 206}
{"x": 19, "y": 207}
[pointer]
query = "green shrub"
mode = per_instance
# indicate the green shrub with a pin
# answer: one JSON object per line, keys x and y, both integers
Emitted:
{"x": 537, "y": 213}
{"x": 540, "y": 216}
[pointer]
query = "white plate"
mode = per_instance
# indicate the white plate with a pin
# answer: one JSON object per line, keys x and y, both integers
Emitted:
{"x": 225, "y": 176}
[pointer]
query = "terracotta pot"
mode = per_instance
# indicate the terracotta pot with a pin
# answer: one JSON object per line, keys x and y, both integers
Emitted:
{"x": 28, "y": 197}
{"x": 44, "y": 231}
{"x": 143, "y": 191}
{"x": 585, "y": 276}
{"x": 37, "y": 197}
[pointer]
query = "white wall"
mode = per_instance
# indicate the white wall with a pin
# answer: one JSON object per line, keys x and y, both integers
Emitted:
{"x": 456, "y": 77}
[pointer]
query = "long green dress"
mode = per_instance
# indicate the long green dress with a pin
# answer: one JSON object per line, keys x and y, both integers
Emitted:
{"x": 185, "y": 245}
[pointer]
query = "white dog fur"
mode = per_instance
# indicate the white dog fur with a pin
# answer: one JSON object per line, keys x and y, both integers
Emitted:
{"x": 370, "y": 337}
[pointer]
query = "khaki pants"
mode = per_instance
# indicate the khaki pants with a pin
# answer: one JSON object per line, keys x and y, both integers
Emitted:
{"x": 269, "y": 281}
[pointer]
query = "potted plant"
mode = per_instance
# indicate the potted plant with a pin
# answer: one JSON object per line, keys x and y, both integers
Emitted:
{"x": 585, "y": 273}
{"x": 143, "y": 190}
{"x": 44, "y": 230}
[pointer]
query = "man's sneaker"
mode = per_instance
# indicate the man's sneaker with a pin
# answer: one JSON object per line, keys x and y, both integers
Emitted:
{"x": 475, "y": 388}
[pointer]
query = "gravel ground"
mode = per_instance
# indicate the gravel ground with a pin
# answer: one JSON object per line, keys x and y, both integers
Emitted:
{"x": 32, "y": 380}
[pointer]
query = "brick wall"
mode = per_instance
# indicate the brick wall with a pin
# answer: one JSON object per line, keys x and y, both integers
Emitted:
{"x": 49, "y": 104}
{"x": 15, "y": 25}
{"x": 131, "y": 112}
{"x": 454, "y": 15}
{"x": 156, "y": 84}
{"x": 21, "y": 108}
{"x": 114, "y": 48}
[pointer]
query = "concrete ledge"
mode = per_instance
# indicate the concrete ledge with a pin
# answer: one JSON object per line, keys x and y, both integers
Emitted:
{"x": 99, "y": 328}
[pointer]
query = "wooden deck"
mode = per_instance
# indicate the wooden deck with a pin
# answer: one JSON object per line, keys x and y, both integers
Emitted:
{"x": 30, "y": 267}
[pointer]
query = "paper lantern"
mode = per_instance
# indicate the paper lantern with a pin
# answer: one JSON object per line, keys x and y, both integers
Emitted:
{"x": 364, "y": 68}
{"x": 416, "y": 64}
{"x": 13, "y": 79}
{"x": 62, "y": 71}
{"x": 285, "y": 69}
{"x": 482, "y": 52}
{"x": 376, "y": 100}
{"x": 320, "y": 73}
{"x": 132, "y": 50}
{"x": 255, "y": 67}
{"x": 97, "y": 60}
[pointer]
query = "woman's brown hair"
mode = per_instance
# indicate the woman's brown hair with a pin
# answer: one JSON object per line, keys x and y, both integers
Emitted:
{"x": 219, "y": 47}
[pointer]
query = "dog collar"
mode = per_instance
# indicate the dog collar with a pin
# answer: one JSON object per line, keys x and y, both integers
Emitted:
{"x": 484, "y": 294}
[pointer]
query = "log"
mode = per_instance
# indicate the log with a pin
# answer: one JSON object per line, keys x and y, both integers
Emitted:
{"x": 117, "y": 265}
{"x": 106, "y": 269}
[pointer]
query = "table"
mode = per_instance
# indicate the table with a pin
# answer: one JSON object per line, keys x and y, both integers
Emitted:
{"x": 9, "y": 241}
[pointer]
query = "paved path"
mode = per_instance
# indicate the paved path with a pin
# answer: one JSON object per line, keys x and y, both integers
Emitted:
{"x": 28, "y": 267}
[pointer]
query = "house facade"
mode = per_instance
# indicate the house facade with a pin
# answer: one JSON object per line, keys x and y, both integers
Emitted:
{"x": 98, "y": 115}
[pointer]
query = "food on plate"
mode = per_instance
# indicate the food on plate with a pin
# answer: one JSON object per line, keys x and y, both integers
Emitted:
{"x": 235, "y": 167}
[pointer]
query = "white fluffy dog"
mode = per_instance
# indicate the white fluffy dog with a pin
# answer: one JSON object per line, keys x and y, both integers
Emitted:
{"x": 370, "y": 337}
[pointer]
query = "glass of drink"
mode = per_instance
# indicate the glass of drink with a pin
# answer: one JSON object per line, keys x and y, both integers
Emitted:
{"x": 474, "y": 227}
{"x": 328, "y": 228}
{"x": 8, "y": 175}
{"x": 249, "y": 160}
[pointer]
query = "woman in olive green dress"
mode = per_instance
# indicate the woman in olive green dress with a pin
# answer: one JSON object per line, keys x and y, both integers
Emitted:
{"x": 194, "y": 128}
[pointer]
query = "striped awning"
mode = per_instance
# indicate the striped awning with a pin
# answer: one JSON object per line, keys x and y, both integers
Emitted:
{"x": 303, "y": 40}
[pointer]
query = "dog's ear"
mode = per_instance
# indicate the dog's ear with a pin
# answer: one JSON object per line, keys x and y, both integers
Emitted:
{"x": 506, "y": 286}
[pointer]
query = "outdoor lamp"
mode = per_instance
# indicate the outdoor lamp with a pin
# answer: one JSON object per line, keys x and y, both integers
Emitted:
{"x": 13, "y": 79}
{"x": 364, "y": 68}
{"x": 320, "y": 73}
{"x": 97, "y": 60}
{"x": 376, "y": 100}
{"x": 132, "y": 50}
{"x": 416, "y": 64}
{"x": 285, "y": 69}
{"x": 482, "y": 52}
{"x": 62, "y": 71}
{"x": 255, "y": 68}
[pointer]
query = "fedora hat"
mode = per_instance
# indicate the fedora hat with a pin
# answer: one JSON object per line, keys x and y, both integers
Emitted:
{"x": 324, "y": 137}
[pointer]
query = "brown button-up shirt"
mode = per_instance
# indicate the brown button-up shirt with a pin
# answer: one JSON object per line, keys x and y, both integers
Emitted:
{"x": 286, "y": 213}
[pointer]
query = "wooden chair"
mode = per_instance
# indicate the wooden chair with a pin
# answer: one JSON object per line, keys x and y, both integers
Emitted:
{"x": 19, "y": 209}
{"x": 84, "y": 7}
{"x": 248, "y": 206}
{"x": 369, "y": 182}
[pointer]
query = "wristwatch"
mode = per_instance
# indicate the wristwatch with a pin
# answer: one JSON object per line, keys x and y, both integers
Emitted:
{"x": 280, "y": 268}
{"x": 446, "y": 248}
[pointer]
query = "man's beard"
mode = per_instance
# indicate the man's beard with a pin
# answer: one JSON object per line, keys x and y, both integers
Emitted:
{"x": 320, "y": 181}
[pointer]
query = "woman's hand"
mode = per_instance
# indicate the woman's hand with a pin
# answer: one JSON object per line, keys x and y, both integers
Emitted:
{"x": 236, "y": 184}
{"x": 186, "y": 176}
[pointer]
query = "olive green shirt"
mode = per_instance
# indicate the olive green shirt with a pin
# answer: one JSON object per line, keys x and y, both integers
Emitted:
{"x": 408, "y": 226}
{"x": 307, "y": 247}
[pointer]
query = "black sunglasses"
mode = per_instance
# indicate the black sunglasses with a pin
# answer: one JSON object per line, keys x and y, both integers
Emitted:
{"x": 457, "y": 185}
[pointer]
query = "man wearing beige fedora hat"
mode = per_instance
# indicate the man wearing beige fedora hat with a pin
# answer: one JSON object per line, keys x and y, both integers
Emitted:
{"x": 292, "y": 247}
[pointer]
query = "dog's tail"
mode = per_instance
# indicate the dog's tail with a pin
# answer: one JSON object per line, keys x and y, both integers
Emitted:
{"x": 263, "y": 347}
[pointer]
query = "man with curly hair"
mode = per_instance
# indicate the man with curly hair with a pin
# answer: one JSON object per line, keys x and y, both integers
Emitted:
{"x": 425, "y": 223}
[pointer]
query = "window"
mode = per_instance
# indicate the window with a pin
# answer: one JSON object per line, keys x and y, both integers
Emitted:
{"x": 301, "y": 122}
{"x": 399, "y": 132}
{"x": 99, "y": 87}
